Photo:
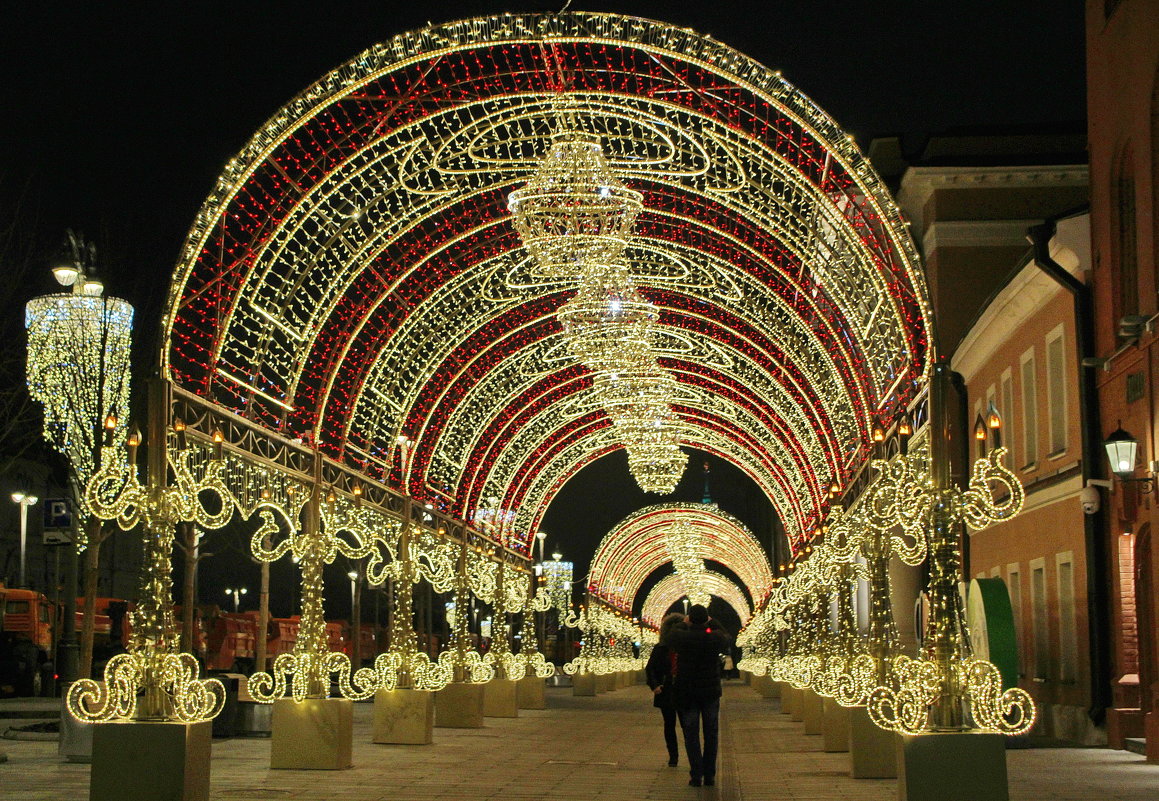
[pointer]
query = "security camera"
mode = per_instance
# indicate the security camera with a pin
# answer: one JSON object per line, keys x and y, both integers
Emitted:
{"x": 1090, "y": 499}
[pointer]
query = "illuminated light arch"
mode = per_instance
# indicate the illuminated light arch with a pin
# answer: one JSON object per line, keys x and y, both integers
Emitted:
{"x": 638, "y": 546}
{"x": 355, "y": 275}
{"x": 671, "y": 589}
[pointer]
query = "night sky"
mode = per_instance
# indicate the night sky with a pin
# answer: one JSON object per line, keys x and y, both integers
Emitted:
{"x": 117, "y": 117}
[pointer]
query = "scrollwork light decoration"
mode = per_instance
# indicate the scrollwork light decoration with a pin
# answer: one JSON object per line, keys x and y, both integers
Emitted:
{"x": 947, "y": 687}
{"x": 154, "y": 681}
{"x": 404, "y": 666}
{"x": 460, "y": 660}
{"x": 333, "y": 526}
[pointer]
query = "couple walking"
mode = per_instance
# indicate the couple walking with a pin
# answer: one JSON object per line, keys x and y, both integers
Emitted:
{"x": 684, "y": 674}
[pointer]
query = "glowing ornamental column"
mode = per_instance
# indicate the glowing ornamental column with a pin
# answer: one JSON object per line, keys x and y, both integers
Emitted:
{"x": 154, "y": 681}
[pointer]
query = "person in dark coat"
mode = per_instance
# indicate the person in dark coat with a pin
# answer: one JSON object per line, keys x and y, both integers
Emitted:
{"x": 661, "y": 673}
{"x": 698, "y": 648}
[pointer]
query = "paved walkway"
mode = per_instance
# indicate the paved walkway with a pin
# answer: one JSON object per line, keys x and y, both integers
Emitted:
{"x": 607, "y": 747}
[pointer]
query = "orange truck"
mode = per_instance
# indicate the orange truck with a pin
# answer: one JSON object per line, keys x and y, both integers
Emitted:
{"x": 28, "y": 623}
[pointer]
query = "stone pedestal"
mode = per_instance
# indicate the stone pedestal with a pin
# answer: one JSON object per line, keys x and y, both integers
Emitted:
{"x": 583, "y": 684}
{"x": 604, "y": 682}
{"x": 151, "y": 761}
{"x": 757, "y": 682}
{"x": 746, "y": 677}
{"x": 812, "y": 711}
{"x": 796, "y": 705}
{"x": 404, "y": 717}
{"x": 531, "y": 693}
{"x": 459, "y": 705}
{"x": 967, "y": 766}
{"x": 315, "y": 734}
{"x": 770, "y": 688}
{"x": 500, "y": 699}
{"x": 872, "y": 751}
{"x": 835, "y": 726}
{"x": 76, "y": 738}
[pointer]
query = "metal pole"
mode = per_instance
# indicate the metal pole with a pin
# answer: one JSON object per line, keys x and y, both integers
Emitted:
{"x": 23, "y": 538}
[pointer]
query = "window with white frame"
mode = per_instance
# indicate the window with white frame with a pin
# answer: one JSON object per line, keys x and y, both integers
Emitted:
{"x": 1067, "y": 636}
{"x": 1006, "y": 399}
{"x": 1014, "y": 587}
{"x": 1056, "y": 390}
{"x": 1029, "y": 409}
{"x": 1039, "y": 626}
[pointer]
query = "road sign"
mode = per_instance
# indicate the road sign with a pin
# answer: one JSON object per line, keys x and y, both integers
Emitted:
{"x": 57, "y": 521}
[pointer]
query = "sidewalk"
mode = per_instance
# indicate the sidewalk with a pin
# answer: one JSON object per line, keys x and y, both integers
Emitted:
{"x": 607, "y": 747}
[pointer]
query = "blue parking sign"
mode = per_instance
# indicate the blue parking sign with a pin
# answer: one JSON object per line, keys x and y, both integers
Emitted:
{"x": 57, "y": 513}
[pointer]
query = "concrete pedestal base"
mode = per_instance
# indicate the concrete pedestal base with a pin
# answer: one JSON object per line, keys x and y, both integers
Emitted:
{"x": 835, "y": 726}
{"x": 757, "y": 683}
{"x": 500, "y": 699}
{"x": 459, "y": 705}
{"x": 315, "y": 734}
{"x": 531, "y": 693}
{"x": 872, "y": 751}
{"x": 604, "y": 682}
{"x": 151, "y": 761}
{"x": 952, "y": 767}
{"x": 796, "y": 705}
{"x": 76, "y": 738}
{"x": 770, "y": 688}
{"x": 583, "y": 684}
{"x": 812, "y": 712}
{"x": 404, "y": 717}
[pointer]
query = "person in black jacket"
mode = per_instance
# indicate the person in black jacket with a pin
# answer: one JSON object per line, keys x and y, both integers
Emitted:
{"x": 660, "y": 673}
{"x": 698, "y": 648}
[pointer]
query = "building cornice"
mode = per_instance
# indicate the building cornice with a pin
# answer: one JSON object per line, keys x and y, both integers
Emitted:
{"x": 976, "y": 234}
{"x": 918, "y": 183}
{"x": 1023, "y": 296}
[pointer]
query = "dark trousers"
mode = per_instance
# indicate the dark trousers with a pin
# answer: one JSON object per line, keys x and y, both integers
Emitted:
{"x": 670, "y": 733}
{"x": 701, "y": 764}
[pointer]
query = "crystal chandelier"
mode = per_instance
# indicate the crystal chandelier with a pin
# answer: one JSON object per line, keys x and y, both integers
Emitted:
{"x": 574, "y": 217}
{"x": 574, "y": 211}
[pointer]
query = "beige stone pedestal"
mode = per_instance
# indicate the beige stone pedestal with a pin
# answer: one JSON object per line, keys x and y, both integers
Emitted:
{"x": 583, "y": 684}
{"x": 138, "y": 761}
{"x": 315, "y": 734}
{"x": 532, "y": 693}
{"x": 796, "y": 703}
{"x": 872, "y": 750}
{"x": 813, "y": 712}
{"x": 404, "y": 717}
{"x": 770, "y": 688}
{"x": 966, "y": 766}
{"x": 459, "y": 705}
{"x": 500, "y": 699}
{"x": 757, "y": 683}
{"x": 835, "y": 726}
{"x": 605, "y": 682}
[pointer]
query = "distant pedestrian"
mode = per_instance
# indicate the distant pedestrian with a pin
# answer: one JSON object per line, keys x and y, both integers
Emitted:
{"x": 698, "y": 648}
{"x": 661, "y": 674}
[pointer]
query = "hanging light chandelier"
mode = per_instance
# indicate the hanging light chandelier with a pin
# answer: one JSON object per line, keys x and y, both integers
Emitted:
{"x": 574, "y": 211}
{"x": 575, "y": 217}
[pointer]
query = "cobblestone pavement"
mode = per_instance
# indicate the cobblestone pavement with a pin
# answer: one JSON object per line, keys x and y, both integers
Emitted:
{"x": 607, "y": 747}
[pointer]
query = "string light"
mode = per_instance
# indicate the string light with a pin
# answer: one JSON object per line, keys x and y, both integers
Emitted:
{"x": 785, "y": 346}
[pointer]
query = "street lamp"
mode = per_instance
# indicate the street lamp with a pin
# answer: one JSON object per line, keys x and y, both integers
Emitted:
{"x": 24, "y": 502}
{"x": 353, "y": 576}
{"x": 541, "y": 536}
{"x": 237, "y": 594}
{"x": 1121, "y": 448}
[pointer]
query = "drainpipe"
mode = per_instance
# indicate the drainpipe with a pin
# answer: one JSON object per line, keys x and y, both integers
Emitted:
{"x": 1098, "y": 595}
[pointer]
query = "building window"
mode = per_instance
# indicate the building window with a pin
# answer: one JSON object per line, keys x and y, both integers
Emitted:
{"x": 1039, "y": 629}
{"x": 1056, "y": 391}
{"x": 1014, "y": 587}
{"x": 1029, "y": 410}
{"x": 1067, "y": 636}
{"x": 1128, "y": 261}
{"x": 1007, "y": 401}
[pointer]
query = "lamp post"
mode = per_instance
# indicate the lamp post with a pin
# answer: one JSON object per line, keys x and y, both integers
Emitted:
{"x": 237, "y": 593}
{"x": 24, "y": 501}
{"x": 541, "y": 536}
